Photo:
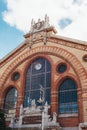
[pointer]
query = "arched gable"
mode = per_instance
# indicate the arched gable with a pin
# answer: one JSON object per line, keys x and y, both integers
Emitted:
{"x": 59, "y": 52}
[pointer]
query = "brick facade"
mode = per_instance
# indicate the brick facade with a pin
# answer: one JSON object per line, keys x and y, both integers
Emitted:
{"x": 56, "y": 50}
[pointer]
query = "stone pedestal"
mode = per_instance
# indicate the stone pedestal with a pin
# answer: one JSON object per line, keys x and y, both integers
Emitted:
{"x": 33, "y": 118}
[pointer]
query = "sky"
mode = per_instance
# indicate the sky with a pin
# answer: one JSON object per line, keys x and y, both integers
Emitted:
{"x": 69, "y": 17}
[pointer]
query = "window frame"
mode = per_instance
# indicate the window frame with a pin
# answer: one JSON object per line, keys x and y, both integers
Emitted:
{"x": 43, "y": 71}
{"x": 67, "y": 103}
{"x": 10, "y": 99}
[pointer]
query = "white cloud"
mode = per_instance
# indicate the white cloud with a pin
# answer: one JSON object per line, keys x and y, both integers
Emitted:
{"x": 19, "y": 13}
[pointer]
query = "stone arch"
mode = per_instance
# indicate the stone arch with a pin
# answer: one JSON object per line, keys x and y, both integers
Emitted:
{"x": 28, "y": 62}
{"x": 62, "y": 78}
{"x": 33, "y": 81}
{"x": 69, "y": 89}
{"x": 55, "y": 96}
{"x": 36, "y": 57}
{"x": 4, "y": 90}
{"x": 59, "y": 52}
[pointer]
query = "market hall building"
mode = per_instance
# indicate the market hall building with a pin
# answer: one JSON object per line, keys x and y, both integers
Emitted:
{"x": 49, "y": 67}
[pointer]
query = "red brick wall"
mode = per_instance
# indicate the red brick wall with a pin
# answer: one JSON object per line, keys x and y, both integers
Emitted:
{"x": 68, "y": 122}
{"x": 45, "y": 52}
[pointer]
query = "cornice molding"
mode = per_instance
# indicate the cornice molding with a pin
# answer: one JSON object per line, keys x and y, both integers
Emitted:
{"x": 65, "y": 42}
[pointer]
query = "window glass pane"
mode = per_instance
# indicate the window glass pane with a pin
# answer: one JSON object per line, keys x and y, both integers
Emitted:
{"x": 10, "y": 99}
{"x": 16, "y": 76}
{"x": 68, "y": 108}
{"x": 48, "y": 96}
{"x": 38, "y": 74}
{"x": 48, "y": 67}
{"x": 68, "y": 97}
{"x": 38, "y": 66}
{"x": 68, "y": 84}
{"x": 35, "y": 95}
{"x": 62, "y": 68}
{"x": 37, "y": 80}
{"x": 48, "y": 78}
{"x": 26, "y": 99}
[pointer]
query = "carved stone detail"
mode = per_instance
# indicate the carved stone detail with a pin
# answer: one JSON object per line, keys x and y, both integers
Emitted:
{"x": 40, "y": 25}
{"x": 34, "y": 115}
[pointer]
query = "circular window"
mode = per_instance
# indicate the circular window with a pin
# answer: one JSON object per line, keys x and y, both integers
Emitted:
{"x": 15, "y": 76}
{"x": 61, "y": 68}
{"x": 85, "y": 57}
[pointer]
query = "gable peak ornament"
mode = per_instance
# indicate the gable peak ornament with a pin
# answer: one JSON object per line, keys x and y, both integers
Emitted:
{"x": 40, "y": 25}
{"x": 39, "y": 30}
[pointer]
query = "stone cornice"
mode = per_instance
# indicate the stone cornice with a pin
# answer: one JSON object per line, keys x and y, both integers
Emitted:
{"x": 44, "y": 30}
{"x": 77, "y": 44}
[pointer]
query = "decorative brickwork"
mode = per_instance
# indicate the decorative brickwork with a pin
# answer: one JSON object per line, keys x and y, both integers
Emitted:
{"x": 59, "y": 52}
{"x": 65, "y": 42}
{"x": 47, "y": 51}
{"x": 41, "y": 42}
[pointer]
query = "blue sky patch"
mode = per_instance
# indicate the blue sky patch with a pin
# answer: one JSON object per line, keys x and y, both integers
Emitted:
{"x": 76, "y": 1}
{"x": 10, "y": 37}
{"x": 64, "y": 22}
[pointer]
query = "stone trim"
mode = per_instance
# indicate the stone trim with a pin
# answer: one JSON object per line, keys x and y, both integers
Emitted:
{"x": 65, "y": 42}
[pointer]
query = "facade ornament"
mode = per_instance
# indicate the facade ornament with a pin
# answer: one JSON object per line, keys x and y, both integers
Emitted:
{"x": 54, "y": 117}
{"x": 30, "y": 43}
{"x": 38, "y": 20}
{"x": 12, "y": 121}
{"x": 33, "y": 111}
{"x": 32, "y": 23}
{"x": 40, "y": 25}
{"x": 45, "y": 38}
{"x": 33, "y": 103}
{"x": 46, "y": 108}
{"x": 21, "y": 109}
{"x": 46, "y": 21}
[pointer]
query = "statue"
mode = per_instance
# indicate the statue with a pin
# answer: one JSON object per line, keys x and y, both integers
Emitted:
{"x": 12, "y": 121}
{"x": 46, "y": 21}
{"x": 54, "y": 117}
{"x": 32, "y": 25}
{"x": 21, "y": 109}
{"x": 46, "y": 108}
{"x": 33, "y": 105}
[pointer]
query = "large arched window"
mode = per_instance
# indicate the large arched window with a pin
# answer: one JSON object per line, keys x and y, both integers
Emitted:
{"x": 38, "y": 74}
{"x": 10, "y": 99}
{"x": 68, "y": 97}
